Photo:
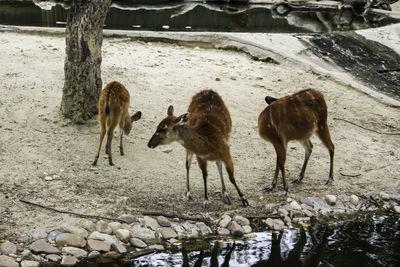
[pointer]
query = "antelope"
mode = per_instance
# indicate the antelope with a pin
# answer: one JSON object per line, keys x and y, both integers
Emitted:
{"x": 204, "y": 131}
{"x": 113, "y": 110}
{"x": 295, "y": 117}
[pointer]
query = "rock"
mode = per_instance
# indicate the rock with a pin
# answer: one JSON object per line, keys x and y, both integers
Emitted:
{"x": 204, "y": 229}
{"x": 87, "y": 225}
{"x": 143, "y": 233}
{"x": 168, "y": 233}
{"x": 73, "y": 251}
{"x": 395, "y": 197}
{"x": 41, "y": 246}
{"x": 53, "y": 234}
{"x": 8, "y": 248}
{"x": 68, "y": 261}
{"x": 225, "y": 220}
{"x": 242, "y": 221}
{"x": 118, "y": 246}
{"x": 283, "y": 212}
{"x": 6, "y": 261}
{"x": 247, "y": 229}
{"x": 354, "y": 200}
{"x": 396, "y": 209}
{"x": 53, "y": 257}
{"x": 123, "y": 235}
{"x": 128, "y": 218}
{"x": 236, "y": 229}
{"x": 71, "y": 240}
{"x": 308, "y": 201}
{"x": 295, "y": 205}
{"x": 115, "y": 226}
{"x": 384, "y": 195}
{"x": 29, "y": 264}
{"x": 330, "y": 199}
{"x": 67, "y": 228}
{"x": 112, "y": 255}
{"x": 287, "y": 207}
{"x": 287, "y": 220}
{"x": 308, "y": 213}
{"x": 271, "y": 206}
{"x": 306, "y": 207}
{"x": 164, "y": 222}
{"x": 275, "y": 224}
{"x": 157, "y": 247}
{"x": 98, "y": 245}
{"x": 103, "y": 227}
{"x": 224, "y": 232}
{"x": 136, "y": 242}
{"x": 102, "y": 237}
{"x": 301, "y": 219}
{"x": 94, "y": 254}
{"x": 151, "y": 223}
{"x": 26, "y": 254}
{"x": 33, "y": 235}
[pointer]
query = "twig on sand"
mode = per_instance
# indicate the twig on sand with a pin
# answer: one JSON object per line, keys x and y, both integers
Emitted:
{"x": 350, "y": 175}
{"x": 362, "y": 127}
{"x": 71, "y": 212}
{"x": 199, "y": 218}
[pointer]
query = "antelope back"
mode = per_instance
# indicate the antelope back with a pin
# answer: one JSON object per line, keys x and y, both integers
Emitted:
{"x": 207, "y": 107}
{"x": 293, "y": 117}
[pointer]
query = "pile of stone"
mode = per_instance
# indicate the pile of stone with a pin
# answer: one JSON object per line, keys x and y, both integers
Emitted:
{"x": 102, "y": 240}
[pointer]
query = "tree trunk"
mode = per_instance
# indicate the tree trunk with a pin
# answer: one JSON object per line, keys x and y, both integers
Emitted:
{"x": 84, "y": 37}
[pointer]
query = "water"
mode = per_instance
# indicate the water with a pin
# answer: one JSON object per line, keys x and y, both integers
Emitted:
{"x": 368, "y": 240}
{"x": 196, "y": 16}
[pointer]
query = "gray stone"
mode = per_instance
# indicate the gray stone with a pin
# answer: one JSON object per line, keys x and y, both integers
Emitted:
{"x": 168, "y": 233}
{"x": 87, "y": 225}
{"x": 41, "y": 246}
{"x": 8, "y": 248}
{"x": 26, "y": 254}
{"x": 384, "y": 195}
{"x": 53, "y": 234}
{"x": 103, "y": 227}
{"x": 73, "y": 251}
{"x": 306, "y": 207}
{"x": 395, "y": 197}
{"x": 123, "y": 235}
{"x": 144, "y": 234}
{"x": 128, "y": 218}
{"x": 136, "y": 242}
{"x": 308, "y": 213}
{"x": 247, "y": 229}
{"x": 283, "y": 212}
{"x": 6, "y": 261}
{"x": 224, "y": 232}
{"x": 112, "y": 255}
{"x": 102, "y": 237}
{"x": 33, "y": 235}
{"x": 118, "y": 246}
{"x": 308, "y": 201}
{"x": 287, "y": 207}
{"x": 68, "y": 228}
{"x": 157, "y": 247}
{"x": 71, "y": 240}
{"x": 242, "y": 221}
{"x": 236, "y": 229}
{"x": 225, "y": 220}
{"x": 287, "y": 220}
{"x": 29, "y": 264}
{"x": 275, "y": 224}
{"x": 271, "y": 206}
{"x": 354, "y": 200}
{"x": 151, "y": 223}
{"x": 330, "y": 199}
{"x": 295, "y": 205}
{"x": 68, "y": 261}
{"x": 98, "y": 245}
{"x": 396, "y": 209}
{"x": 94, "y": 254}
{"x": 301, "y": 219}
{"x": 204, "y": 229}
{"x": 115, "y": 226}
{"x": 163, "y": 221}
{"x": 53, "y": 257}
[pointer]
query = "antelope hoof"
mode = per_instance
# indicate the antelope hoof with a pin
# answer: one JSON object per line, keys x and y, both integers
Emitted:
{"x": 269, "y": 188}
{"x": 205, "y": 204}
{"x": 298, "y": 180}
{"x": 329, "y": 181}
{"x": 95, "y": 161}
{"x": 285, "y": 192}
{"x": 245, "y": 202}
{"x": 110, "y": 162}
{"x": 121, "y": 150}
{"x": 227, "y": 199}
{"x": 189, "y": 196}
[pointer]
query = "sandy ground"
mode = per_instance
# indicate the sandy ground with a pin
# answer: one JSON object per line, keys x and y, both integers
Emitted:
{"x": 37, "y": 142}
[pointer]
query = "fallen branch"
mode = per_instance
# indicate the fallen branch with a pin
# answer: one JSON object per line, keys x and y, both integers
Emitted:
{"x": 362, "y": 127}
{"x": 71, "y": 212}
{"x": 349, "y": 175}
{"x": 199, "y": 218}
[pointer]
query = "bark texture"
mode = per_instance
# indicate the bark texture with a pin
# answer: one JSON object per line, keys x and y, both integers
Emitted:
{"x": 84, "y": 38}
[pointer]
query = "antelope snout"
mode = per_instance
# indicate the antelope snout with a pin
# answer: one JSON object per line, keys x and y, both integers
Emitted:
{"x": 151, "y": 144}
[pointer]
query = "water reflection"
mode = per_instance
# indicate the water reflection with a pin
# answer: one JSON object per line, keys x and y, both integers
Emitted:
{"x": 197, "y": 16}
{"x": 371, "y": 240}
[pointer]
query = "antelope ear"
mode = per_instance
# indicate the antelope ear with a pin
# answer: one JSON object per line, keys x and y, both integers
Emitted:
{"x": 170, "y": 111}
{"x": 184, "y": 118}
{"x": 270, "y": 99}
{"x": 136, "y": 116}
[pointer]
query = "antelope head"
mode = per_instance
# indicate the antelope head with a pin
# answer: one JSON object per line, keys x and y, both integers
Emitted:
{"x": 128, "y": 121}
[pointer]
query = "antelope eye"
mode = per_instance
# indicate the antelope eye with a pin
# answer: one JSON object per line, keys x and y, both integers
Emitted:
{"x": 162, "y": 131}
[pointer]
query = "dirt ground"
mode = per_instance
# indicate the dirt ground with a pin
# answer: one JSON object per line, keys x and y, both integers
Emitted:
{"x": 37, "y": 142}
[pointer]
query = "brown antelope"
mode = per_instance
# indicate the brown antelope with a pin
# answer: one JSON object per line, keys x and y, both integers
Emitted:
{"x": 203, "y": 131}
{"x": 295, "y": 117}
{"x": 113, "y": 110}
